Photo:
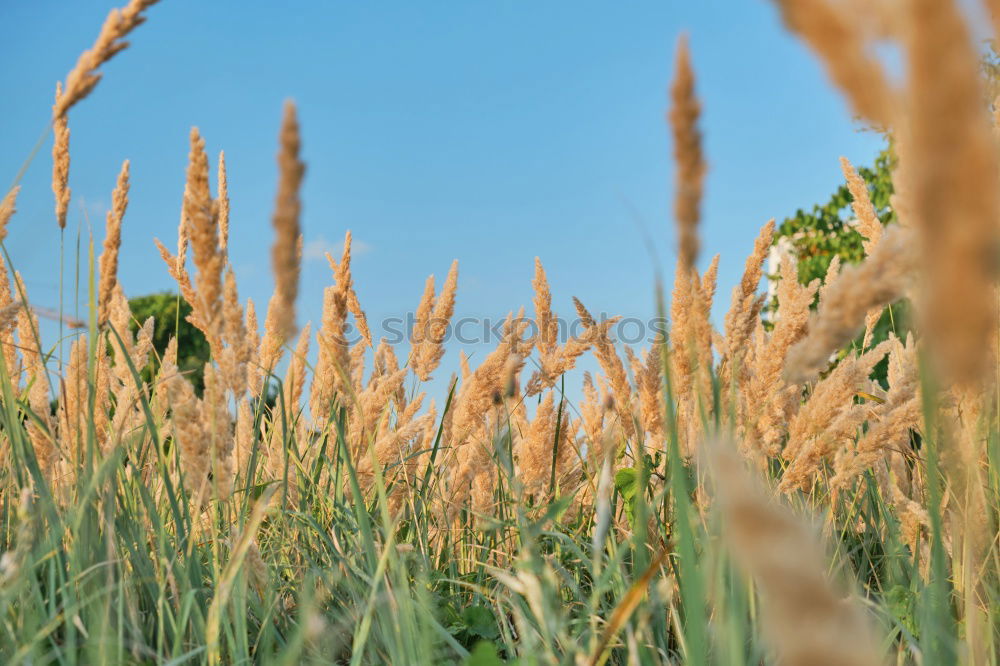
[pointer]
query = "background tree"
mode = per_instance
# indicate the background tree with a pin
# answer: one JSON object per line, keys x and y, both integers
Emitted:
{"x": 828, "y": 230}
{"x": 193, "y": 351}
{"x": 816, "y": 236}
{"x": 170, "y": 313}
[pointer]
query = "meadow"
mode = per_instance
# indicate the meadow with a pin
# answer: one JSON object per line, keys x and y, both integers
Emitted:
{"x": 752, "y": 493}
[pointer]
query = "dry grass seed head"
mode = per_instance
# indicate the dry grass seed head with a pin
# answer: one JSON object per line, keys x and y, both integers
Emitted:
{"x": 742, "y": 314}
{"x": 952, "y": 169}
{"x": 7, "y": 209}
{"x": 285, "y": 258}
{"x": 432, "y": 348}
{"x": 201, "y": 222}
{"x": 84, "y": 77}
{"x": 805, "y": 617}
{"x": 690, "y": 164}
{"x": 881, "y": 279}
{"x": 60, "y": 163}
{"x": 108, "y": 264}
{"x": 223, "y": 185}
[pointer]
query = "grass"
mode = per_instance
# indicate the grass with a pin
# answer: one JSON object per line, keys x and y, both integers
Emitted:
{"x": 653, "y": 522}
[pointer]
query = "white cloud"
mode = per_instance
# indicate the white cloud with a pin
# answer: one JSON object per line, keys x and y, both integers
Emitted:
{"x": 316, "y": 249}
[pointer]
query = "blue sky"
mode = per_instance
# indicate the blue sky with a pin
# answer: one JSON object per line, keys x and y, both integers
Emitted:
{"x": 490, "y": 132}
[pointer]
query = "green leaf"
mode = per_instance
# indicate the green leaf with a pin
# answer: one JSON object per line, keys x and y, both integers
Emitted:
{"x": 479, "y": 621}
{"x": 483, "y": 654}
{"x": 627, "y": 485}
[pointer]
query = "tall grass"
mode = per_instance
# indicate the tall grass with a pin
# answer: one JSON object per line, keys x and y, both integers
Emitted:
{"x": 744, "y": 497}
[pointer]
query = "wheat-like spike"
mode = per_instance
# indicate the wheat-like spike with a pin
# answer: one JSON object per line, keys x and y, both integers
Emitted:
{"x": 332, "y": 357}
{"x": 547, "y": 335}
{"x": 7, "y": 209}
{"x": 829, "y": 419}
{"x": 343, "y": 277}
{"x": 84, "y": 77}
{"x": 869, "y": 226}
{"x": 868, "y": 223}
{"x": 223, "y": 186}
{"x": 744, "y": 311}
{"x": 421, "y": 329}
{"x": 534, "y": 449}
{"x": 881, "y": 279}
{"x": 287, "y": 209}
{"x": 681, "y": 304}
{"x": 243, "y": 437}
{"x": 128, "y": 415}
{"x": 295, "y": 378}
{"x": 598, "y": 335}
{"x": 119, "y": 316}
{"x": 190, "y": 435}
{"x": 586, "y": 318}
{"x": 219, "y": 429}
{"x": 806, "y": 619}
{"x": 233, "y": 358}
{"x": 432, "y": 348}
{"x": 371, "y": 404}
{"x": 483, "y": 388}
{"x": 690, "y": 163}
{"x": 334, "y": 364}
{"x": 201, "y": 222}
{"x": 271, "y": 349}
{"x": 42, "y": 436}
{"x": 830, "y": 279}
{"x": 386, "y": 363}
{"x": 649, "y": 385}
{"x": 108, "y": 264}
{"x": 60, "y": 163}
{"x": 8, "y": 315}
{"x": 890, "y": 430}
{"x": 768, "y": 402}
{"x": 592, "y": 411}
{"x": 691, "y": 339}
{"x": 72, "y": 408}
{"x": 7, "y": 302}
{"x": 953, "y": 171}
{"x": 175, "y": 267}
{"x": 702, "y": 332}
{"x": 252, "y": 345}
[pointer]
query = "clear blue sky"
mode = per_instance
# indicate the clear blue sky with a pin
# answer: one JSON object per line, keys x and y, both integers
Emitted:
{"x": 490, "y": 132}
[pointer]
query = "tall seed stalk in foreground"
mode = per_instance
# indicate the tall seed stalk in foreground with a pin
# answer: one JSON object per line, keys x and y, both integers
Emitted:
{"x": 287, "y": 209}
{"x": 955, "y": 208}
{"x": 688, "y": 159}
{"x": 684, "y": 353}
{"x": 954, "y": 174}
{"x": 807, "y": 621}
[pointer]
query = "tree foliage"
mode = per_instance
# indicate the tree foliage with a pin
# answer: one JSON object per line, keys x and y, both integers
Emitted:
{"x": 816, "y": 236}
{"x": 170, "y": 315}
